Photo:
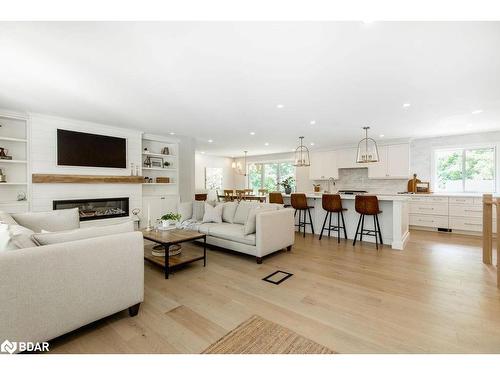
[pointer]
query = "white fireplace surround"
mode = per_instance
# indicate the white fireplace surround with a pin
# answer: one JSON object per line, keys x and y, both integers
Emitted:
{"x": 44, "y": 160}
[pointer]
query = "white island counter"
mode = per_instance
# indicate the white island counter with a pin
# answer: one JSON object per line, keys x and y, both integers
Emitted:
{"x": 394, "y": 219}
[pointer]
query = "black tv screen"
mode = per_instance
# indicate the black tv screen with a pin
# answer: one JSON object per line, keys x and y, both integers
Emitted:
{"x": 90, "y": 150}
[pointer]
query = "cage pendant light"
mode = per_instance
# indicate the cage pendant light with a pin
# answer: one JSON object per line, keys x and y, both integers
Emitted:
{"x": 302, "y": 155}
{"x": 241, "y": 169}
{"x": 367, "y": 149}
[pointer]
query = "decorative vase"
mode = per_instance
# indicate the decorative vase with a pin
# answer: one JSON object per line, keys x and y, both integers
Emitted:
{"x": 167, "y": 223}
{"x": 288, "y": 190}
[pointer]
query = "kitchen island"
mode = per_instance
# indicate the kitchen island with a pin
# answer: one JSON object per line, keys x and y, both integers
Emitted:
{"x": 394, "y": 219}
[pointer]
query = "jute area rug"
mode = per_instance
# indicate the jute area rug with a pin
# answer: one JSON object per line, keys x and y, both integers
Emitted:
{"x": 260, "y": 336}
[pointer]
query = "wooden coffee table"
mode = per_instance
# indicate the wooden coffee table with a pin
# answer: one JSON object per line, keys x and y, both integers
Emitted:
{"x": 166, "y": 238}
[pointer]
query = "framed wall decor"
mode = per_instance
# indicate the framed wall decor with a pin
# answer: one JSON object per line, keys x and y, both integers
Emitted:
{"x": 213, "y": 178}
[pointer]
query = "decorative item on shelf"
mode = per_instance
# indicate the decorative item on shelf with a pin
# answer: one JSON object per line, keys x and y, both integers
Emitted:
{"x": 135, "y": 213}
{"x": 148, "y": 180}
{"x": 156, "y": 162}
{"x": 165, "y": 151}
{"x": 147, "y": 162}
{"x": 3, "y": 154}
{"x": 367, "y": 149}
{"x": 21, "y": 196}
{"x": 287, "y": 184}
{"x": 132, "y": 169}
{"x": 301, "y": 158}
{"x": 166, "y": 164}
{"x": 162, "y": 180}
{"x": 137, "y": 170}
{"x": 412, "y": 184}
{"x": 146, "y": 151}
{"x": 317, "y": 188}
{"x": 422, "y": 187}
{"x": 240, "y": 169}
{"x": 3, "y": 178}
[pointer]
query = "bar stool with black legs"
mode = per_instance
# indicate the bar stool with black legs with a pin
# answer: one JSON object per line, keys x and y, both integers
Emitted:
{"x": 299, "y": 203}
{"x": 333, "y": 204}
{"x": 367, "y": 205}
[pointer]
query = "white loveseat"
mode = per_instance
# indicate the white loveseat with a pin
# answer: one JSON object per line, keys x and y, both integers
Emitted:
{"x": 47, "y": 291}
{"x": 252, "y": 228}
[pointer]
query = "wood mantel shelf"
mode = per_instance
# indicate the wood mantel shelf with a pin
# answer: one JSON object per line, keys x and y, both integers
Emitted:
{"x": 84, "y": 179}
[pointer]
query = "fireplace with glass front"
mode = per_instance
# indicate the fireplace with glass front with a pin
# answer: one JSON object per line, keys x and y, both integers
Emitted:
{"x": 96, "y": 209}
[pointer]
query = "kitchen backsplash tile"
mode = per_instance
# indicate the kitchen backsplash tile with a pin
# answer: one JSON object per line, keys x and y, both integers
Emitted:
{"x": 357, "y": 179}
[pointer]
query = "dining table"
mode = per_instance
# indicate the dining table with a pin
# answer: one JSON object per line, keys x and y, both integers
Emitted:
{"x": 242, "y": 197}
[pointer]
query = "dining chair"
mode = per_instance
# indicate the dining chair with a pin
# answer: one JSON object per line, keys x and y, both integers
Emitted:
{"x": 200, "y": 197}
{"x": 240, "y": 194}
{"x": 263, "y": 191}
{"x": 228, "y": 195}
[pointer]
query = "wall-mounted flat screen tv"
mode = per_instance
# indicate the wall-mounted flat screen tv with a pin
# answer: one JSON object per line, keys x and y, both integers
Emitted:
{"x": 90, "y": 150}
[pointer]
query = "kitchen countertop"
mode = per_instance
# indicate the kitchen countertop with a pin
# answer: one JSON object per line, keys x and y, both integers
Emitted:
{"x": 382, "y": 197}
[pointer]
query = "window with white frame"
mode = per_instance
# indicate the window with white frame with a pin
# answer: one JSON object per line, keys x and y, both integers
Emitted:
{"x": 465, "y": 169}
{"x": 269, "y": 175}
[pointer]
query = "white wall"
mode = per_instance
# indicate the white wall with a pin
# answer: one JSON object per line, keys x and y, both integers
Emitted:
{"x": 44, "y": 160}
{"x": 204, "y": 161}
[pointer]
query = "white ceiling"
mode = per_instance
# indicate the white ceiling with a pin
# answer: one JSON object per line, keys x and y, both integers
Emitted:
{"x": 220, "y": 81}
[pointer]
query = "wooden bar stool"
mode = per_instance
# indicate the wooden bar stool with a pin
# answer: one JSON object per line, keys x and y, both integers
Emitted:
{"x": 367, "y": 205}
{"x": 333, "y": 204}
{"x": 299, "y": 202}
{"x": 277, "y": 197}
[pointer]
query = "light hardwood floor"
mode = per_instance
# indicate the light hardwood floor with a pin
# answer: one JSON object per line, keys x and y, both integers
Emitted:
{"x": 436, "y": 296}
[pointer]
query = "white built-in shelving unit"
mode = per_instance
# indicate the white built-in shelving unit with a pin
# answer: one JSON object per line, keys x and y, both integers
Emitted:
{"x": 160, "y": 198}
{"x": 14, "y": 138}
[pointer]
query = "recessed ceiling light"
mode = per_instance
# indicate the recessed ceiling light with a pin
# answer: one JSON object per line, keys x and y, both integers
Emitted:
{"x": 312, "y": 143}
{"x": 172, "y": 133}
{"x": 381, "y": 135}
{"x": 203, "y": 152}
{"x": 210, "y": 140}
{"x": 252, "y": 133}
{"x": 279, "y": 106}
{"x": 406, "y": 105}
{"x": 312, "y": 122}
{"x": 477, "y": 111}
{"x": 266, "y": 144}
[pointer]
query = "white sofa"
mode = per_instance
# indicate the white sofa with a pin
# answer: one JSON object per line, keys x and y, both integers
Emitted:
{"x": 47, "y": 291}
{"x": 271, "y": 226}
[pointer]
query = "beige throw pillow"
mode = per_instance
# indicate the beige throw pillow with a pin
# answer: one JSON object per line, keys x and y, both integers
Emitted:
{"x": 213, "y": 214}
{"x": 53, "y": 221}
{"x": 251, "y": 224}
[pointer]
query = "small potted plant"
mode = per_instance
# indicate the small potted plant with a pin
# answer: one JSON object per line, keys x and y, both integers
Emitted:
{"x": 169, "y": 219}
{"x": 287, "y": 184}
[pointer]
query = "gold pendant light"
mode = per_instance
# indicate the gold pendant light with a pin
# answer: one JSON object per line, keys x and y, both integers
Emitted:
{"x": 367, "y": 149}
{"x": 302, "y": 155}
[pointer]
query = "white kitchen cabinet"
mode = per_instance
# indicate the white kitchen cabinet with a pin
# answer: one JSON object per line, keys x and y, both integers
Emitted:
{"x": 323, "y": 165}
{"x": 346, "y": 158}
{"x": 159, "y": 205}
{"x": 394, "y": 162}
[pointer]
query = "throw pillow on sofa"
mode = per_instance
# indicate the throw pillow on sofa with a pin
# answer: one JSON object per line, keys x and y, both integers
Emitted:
{"x": 198, "y": 210}
{"x": 251, "y": 223}
{"x": 228, "y": 211}
{"x": 6, "y": 218}
{"x": 52, "y": 221}
{"x": 241, "y": 214}
{"x": 82, "y": 233}
{"x": 13, "y": 237}
{"x": 213, "y": 214}
{"x": 185, "y": 209}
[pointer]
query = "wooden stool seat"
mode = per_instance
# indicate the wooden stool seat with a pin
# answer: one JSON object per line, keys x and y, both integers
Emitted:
{"x": 367, "y": 205}
{"x": 299, "y": 203}
{"x": 332, "y": 203}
